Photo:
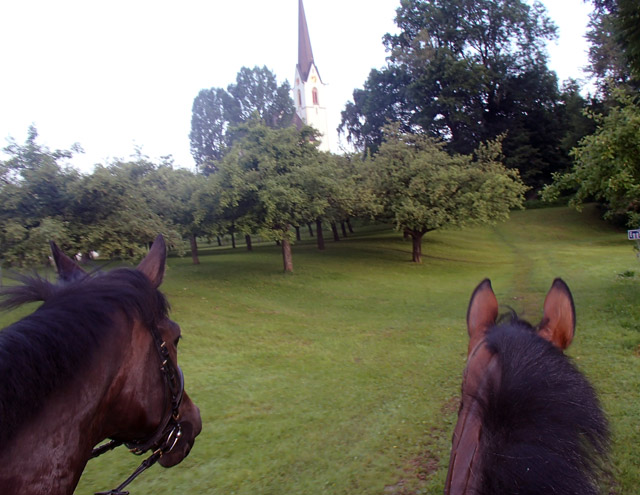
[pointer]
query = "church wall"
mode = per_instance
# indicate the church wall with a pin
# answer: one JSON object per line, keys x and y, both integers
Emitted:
{"x": 313, "y": 115}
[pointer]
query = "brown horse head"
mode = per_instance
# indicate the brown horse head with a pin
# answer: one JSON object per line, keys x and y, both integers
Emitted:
{"x": 98, "y": 359}
{"x": 514, "y": 374}
{"x": 147, "y": 393}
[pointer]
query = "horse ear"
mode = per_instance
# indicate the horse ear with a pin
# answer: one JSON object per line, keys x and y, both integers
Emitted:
{"x": 68, "y": 270}
{"x": 559, "y": 319}
{"x": 482, "y": 312}
{"x": 152, "y": 264}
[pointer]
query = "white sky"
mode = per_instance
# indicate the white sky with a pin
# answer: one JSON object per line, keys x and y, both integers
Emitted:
{"x": 120, "y": 74}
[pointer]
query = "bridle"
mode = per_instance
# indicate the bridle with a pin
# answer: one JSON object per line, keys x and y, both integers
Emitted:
{"x": 169, "y": 430}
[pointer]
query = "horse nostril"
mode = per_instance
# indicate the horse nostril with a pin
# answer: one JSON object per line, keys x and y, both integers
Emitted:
{"x": 187, "y": 430}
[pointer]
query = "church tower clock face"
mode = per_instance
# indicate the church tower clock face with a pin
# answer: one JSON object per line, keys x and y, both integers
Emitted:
{"x": 309, "y": 90}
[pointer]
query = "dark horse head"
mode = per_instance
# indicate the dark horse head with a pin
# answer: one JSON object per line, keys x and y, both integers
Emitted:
{"x": 529, "y": 421}
{"x": 98, "y": 359}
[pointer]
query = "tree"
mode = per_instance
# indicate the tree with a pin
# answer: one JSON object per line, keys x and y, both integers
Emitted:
{"x": 335, "y": 192}
{"x": 614, "y": 36}
{"x": 317, "y": 179}
{"x": 463, "y": 71}
{"x": 607, "y": 163}
{"x": 628, "y": 23}
{"x": 573, "y": 117}
{"x": 208, "y": 211}
{"x": 420, "y": 187}
{"x": 116, "y": 210}
{"x": 171, "y": 194}
{"x": 113, "y": 211}
{"x": 256, "y": 92}
{"x": 217, "y": 112}
{"x": 261, "y": 182}
{"x": 533, "y": 124}
{"x": 383, "y": 99}
{"x": 208, "y": 127}
{"x": 35, "y": 193}
{"x": 607, "y": 62}
{"x": 606, "y": 166}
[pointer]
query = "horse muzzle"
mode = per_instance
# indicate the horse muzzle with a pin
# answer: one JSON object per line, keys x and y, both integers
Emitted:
{"x": 190, "y": 424}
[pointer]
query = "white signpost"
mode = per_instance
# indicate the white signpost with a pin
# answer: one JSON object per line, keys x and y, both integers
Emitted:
{"x": 633, "y": 235}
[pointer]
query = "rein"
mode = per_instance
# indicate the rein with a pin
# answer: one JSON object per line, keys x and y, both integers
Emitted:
{"x": 168, "y": 432}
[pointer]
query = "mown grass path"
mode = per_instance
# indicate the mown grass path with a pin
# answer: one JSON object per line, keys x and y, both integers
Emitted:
{"x": 343, "y": 378}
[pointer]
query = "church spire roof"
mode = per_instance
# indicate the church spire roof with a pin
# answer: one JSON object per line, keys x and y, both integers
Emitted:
{"x": 305, "y": 55}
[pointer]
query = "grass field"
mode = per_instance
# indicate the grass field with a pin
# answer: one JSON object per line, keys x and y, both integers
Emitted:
{"x": 343, "y": 378}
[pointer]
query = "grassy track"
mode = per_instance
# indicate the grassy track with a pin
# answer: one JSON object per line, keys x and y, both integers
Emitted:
{"x": 343, "y": 378}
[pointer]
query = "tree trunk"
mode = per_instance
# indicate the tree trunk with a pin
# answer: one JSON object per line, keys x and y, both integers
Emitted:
{"x": 349, "y": 226}
{"x": 247, "y": 239}
{"x": 298, "y": 234}
{"x": 233, "y": 240}
{"x": 286, "y": 255}
{"x": 320, "y": 241}
{"x": 417, "y": 246}
{"x": 310, "y": 229}
{"x": 334, "y": 229}
{"x": 219, "y": 240}
{"x": 344, "y": 230}
{"x": 194, "y": 249}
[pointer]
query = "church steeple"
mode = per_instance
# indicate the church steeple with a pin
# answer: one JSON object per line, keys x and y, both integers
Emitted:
{"x": 305, "y": 54}
{"x": 309, "y": 90}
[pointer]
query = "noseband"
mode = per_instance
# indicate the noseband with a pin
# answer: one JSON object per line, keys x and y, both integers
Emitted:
{"x": 169, "y": 430}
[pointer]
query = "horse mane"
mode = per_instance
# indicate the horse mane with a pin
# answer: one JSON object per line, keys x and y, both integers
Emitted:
{"x": 543, "y": 428}
{"x": 46, "y": 349}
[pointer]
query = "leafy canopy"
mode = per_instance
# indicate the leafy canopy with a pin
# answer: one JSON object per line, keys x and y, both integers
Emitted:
{"x": 36, "y": 191}
{"x": 261, "y": 179}
{"x": 465, "y": 72}
{"x": 421, "y": 187}
{"x": 607, "y": 163}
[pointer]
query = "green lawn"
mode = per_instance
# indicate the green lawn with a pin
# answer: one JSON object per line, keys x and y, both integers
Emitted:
{"x": 343, "y": 378}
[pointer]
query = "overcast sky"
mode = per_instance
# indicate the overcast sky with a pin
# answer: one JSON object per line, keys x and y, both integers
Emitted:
{"x": 122, "y": 74}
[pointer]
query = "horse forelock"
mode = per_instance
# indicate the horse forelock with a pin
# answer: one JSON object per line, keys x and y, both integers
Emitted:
{"x": 47, "y": 348}
{"x": 541, "y": 424}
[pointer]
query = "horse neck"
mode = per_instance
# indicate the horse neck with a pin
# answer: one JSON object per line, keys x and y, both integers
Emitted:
{"x": 466, "y": 461}
{"x": 48, "y": 455}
